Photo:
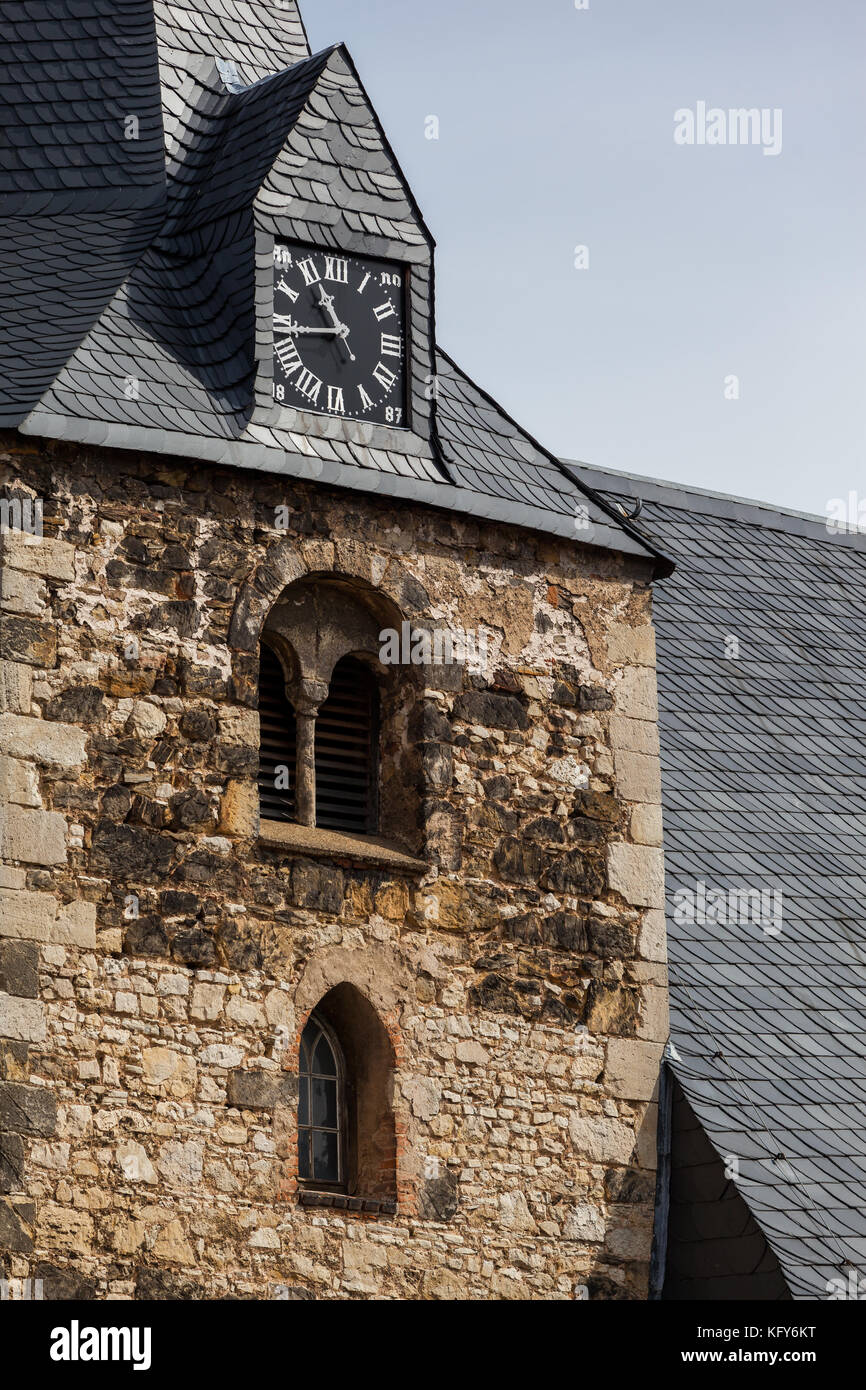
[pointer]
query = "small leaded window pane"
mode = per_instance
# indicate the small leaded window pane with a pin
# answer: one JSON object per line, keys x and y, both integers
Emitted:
{"x": 319, "y": 1107}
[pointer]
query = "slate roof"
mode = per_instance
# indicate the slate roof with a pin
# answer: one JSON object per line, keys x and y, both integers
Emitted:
{"x": 130, "y": 269}
{"x": 764, "y": 787}
{"x": 79, "y": 201}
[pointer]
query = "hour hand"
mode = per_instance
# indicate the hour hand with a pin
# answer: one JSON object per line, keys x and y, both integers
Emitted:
{"x": 327, "y": 303}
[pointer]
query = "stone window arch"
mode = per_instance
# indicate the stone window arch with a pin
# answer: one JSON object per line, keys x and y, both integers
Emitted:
{"x": 352, "y": 1104}
{"x": 352, "y": 759}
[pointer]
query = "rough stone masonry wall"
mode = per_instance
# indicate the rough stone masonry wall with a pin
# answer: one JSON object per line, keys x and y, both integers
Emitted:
{"x": 157, "y": 961}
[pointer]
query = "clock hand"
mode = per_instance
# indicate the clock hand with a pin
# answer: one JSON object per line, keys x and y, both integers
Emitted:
{"x": 326, "y": 302}
{"x": 344, "y": 334}
{"x": 300, "y": 328}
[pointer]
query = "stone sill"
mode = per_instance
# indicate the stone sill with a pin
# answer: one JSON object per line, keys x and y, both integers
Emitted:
{"x": 341, "y": 1202}
{"x": 335, "y": 844}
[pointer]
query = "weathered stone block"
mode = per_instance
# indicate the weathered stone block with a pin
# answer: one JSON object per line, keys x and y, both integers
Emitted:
{"x": 317, "y": 886}
{"x": 633, "y": 736}
{"x": 23, "y": 593}
{"x": 130, "y": 851}
{"x": 593, "y": 697}
{"x": 80, "y": 704}
{"x": 631, "y": 1069}
{"x": 652, "y": 940}
{"x": 564, "y": 931}
{"x": 19, "y": 784}
{"x": 576, "y": 872}
{"x": 610, "y": 939}
{"x": 601, "y": 1138}
{"x": 180, "y": 1163}
{"x": 655, "y": 1019}
{"x": 646, "y": 825}
{"x": 19, "y": 968}
{"x": 261, "y": 1090}
{"x": 636, "y": 695}
{"x": 45, "y": 555}
{"x": 612, "y": 1008}
{"x": 14, "y": 1064}
{"x": 32, "y": 837}
{"x": 163, "y": 1066}
{"x": 519, "y": 861}
{"x": 27, "y": 1109}
{"x": 584, "y": 1223}
{"x": 638, "y": 873}
{"x": 11, "y": 1162}
{"x": 638, "y": 777}
{"x": 438, "y": 1198}
{"x": 22, "y": 1019}
{"x": 135, "y": 1164}
{"x": 239, "y": 725}
{"x": 207, "y": 1000}
{"x": 146, "y": 721}
{"x": 594, "y": 805}
{"x": 491, "y": 709}
{"x": 63, "y": 1228}
{"x": 239, "y": 810}
{"x": 632, "y": 646}
{"x": 16, "y": 688}
{"x": 37, "y": 917}
{"x": 28, "y": 640}
{"x": 62, "y": 745}
{"x": 16, "y": 1225}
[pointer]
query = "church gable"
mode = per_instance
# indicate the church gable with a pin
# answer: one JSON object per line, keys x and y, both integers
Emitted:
{"x": 337, "y": 180}
{"x": 336, "y": 186}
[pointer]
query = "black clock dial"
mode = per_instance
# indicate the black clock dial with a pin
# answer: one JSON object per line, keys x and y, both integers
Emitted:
{"x": 340, "y": 334}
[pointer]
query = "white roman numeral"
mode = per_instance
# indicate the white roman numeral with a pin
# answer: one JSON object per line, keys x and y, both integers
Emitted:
{"x": 288, "y": 356}
{"x": 284, "y": 323}
{"x": 365, "y": 399}
{"x": 363, "y": 284}
{"x": 309, "y": 385}
{"x": 337, "y": 269}
{"x": 384, "y": 311}
{"x": 392, "y": 346}
{"x": 335, "y": 400}
{"x": 384, "y": 376}
{"x": 283, "y": 284}
{"x": 309, "y": 271}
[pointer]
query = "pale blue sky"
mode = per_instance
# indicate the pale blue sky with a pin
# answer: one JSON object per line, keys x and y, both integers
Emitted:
{"x": 556, "y": 129}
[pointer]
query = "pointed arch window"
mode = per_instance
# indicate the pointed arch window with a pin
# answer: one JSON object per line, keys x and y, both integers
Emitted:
{"x": 321, "y": 1107}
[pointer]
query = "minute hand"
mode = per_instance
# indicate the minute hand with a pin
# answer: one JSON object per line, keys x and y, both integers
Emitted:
{"x": 285, "y": 324}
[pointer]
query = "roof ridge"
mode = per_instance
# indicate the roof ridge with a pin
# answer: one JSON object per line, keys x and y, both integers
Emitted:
{"x": 732, "y": 506}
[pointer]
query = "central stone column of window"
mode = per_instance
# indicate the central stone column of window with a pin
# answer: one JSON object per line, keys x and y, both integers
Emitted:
{"x": 309, "y": 697}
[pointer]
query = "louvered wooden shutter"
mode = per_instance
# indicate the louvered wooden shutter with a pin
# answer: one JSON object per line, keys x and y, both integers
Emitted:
{"x": 346, "y": 739}
{"x": 277, "y": 724}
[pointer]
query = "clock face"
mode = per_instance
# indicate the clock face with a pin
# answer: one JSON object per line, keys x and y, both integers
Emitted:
{"x": 339, "y": 334}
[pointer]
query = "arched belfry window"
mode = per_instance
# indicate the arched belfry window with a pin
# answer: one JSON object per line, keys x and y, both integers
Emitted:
{"x": 321, "y": 1107}
{"x": 345, "y": 750}
{"x": 338, "y": 731}
{"x": 278, "y": 740}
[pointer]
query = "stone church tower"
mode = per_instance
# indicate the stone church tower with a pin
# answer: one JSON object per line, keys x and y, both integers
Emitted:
{"x": 331, "y": 896}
